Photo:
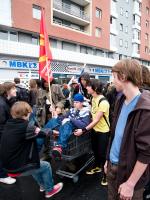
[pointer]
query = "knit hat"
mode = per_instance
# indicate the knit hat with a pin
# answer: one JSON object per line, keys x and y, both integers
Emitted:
{"x": 78, "y": 97}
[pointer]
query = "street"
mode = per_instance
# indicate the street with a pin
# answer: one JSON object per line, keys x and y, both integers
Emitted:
{"x": 87, "y": 188}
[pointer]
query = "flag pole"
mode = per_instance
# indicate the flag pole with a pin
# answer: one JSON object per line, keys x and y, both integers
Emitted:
{"x": 49, "y": 85}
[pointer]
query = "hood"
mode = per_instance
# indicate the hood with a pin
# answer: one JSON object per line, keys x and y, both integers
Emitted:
{"x": 84, "y": 75}
{"x": 21, "y": 85}
{"x": 144, "y": 101}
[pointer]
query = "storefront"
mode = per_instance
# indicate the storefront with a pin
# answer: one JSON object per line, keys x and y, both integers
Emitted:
{"x": 62, "y": 71}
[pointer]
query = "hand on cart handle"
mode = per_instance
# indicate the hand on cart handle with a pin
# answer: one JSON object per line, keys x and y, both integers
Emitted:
{"x": 78, "y": 132}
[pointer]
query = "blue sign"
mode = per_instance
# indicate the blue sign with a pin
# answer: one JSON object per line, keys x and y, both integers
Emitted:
{"x": 99, "y": 70}
{"x": 22, "y": 64}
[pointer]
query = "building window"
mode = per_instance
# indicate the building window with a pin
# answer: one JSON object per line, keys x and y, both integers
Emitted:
{"x": 98, "y": 32}
{"x": 147, "y": 24}
{"x": 121, "y": 11}
{"x": 126, "y": 29}
{"x": 127, "y": 14}
{"x": 13, "y": 36}
{"x": 98, "y": 13}
{"x": 146, "y": 36}
{"x": 120, "y": 42}
{"x": 146, "y": 49}
{"x": 121, "y": 27}
{"x": 36, "y": 10}
{"x": 3, "y": 35}
{"x": 35, "y": 40}
{"x": 68, "y": 46}
{"x": 126, "y": 44}
{"x": 147, "y": 10}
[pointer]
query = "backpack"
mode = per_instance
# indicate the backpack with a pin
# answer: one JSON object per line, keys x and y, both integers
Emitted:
{"x": 22, "y": 94}
{"x": 102, "y": 99}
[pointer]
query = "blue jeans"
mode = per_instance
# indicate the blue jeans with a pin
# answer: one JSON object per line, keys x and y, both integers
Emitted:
{"x": 43, "y": 176}
{"x": 65, "y": 131}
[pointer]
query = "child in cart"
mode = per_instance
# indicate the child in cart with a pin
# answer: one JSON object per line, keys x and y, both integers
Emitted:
{"x": 64, "y": 125}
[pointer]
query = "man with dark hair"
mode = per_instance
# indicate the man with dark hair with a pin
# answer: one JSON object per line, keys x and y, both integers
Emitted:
{"x": 22, "y": 92}
{"x": 128, "y": 157}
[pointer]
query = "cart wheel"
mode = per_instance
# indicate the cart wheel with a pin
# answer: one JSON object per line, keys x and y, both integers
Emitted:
{"x": 75, "y": 179}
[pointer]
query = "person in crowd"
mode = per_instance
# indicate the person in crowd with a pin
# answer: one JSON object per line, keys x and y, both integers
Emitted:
{"x": 22, "y": 91}
{"x": 100, "y": 127}
{"x": 65, "y": 90}
{"x": 19, "y": 153}
{"x": 128, "y": 155}
{"x": 145, "y": 78}
{"x": 7, "y": 91}
{"x": 77, "y": 117}
{"x": 84, "y": 79}
{"x": 32, "y": 92}
{"x": 111, "y": 95}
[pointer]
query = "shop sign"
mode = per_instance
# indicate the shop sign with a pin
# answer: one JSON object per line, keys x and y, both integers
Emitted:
{"x": 16, "y": 64}
{"x": 74, "y": 69}
{"x": 100, "y": 70}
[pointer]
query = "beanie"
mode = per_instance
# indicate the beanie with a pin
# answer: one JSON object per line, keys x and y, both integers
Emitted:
{"x": 78, "y": 97}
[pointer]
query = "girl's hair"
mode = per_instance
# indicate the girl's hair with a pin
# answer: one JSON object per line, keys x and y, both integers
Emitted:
{"x": 20, "y": 109}
{"x": 33, "y": 84}
{"x": 96, "y": 85}
{"x": 145, "y": 76}
{"x": 129, "y": 69}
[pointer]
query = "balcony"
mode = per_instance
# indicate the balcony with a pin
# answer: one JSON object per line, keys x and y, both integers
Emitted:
{"x": 113, "y": 30}
{"x": 136, "y": 40}
{"x": 66, "y": 12}
{"x": 136, "y": 54}
{"x": 71, "y": 26}
{"x": 82, "y": 2}
{"x": 136, "y": 26}
{"x": 136, "y": 9}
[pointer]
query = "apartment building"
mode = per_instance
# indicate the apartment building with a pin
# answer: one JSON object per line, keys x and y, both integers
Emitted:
{"x": 89, "y": 33}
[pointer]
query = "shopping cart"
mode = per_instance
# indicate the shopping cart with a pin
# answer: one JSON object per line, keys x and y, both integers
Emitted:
{"x": 77, "y": 148}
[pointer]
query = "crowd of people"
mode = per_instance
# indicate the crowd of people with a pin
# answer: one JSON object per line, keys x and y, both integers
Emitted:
{"x": 115, "y": 114}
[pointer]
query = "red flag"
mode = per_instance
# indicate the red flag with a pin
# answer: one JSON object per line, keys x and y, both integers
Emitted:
{"x": 45, "y": 56}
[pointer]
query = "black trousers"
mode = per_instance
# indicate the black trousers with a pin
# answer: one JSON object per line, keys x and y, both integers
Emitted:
{"x": 99, "y": 147}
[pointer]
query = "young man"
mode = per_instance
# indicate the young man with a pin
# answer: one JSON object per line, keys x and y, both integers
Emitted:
{"x": 128, "y": 158}
{"x": 77, "y": 117}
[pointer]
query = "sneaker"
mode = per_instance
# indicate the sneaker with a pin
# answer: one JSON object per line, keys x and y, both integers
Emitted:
{"x": 93, "y": 171}
{"x": 55, "y": 190}
{"x": 104, "y": 181}
{"x": 8, "y": 180}
{"x": 41, "y": 189}
{"x": 57, "y": 152}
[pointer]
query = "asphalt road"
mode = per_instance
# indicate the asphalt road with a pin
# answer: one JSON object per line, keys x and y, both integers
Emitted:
{"x": 87, "y": 188}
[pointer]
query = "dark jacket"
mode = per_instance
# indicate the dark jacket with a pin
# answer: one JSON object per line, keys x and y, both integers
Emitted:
{"x": 136, "y": 139}
{"x": 18, "y": 149}
{"x": 4, "y": 113}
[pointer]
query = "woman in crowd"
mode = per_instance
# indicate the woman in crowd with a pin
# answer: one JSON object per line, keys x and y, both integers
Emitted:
{"x": 100, "y": 127}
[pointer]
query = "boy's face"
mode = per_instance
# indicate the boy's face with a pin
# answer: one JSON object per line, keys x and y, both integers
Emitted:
{"x": 58, "y": 110}
{"x": 78, "y": 105}
{"x": 117, "y": 82}
{"x": 12, "y": 92}
{"x": 90, "y": 90}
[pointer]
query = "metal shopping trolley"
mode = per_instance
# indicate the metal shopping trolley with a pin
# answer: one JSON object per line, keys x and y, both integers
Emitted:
{"x": 77, "y": 148}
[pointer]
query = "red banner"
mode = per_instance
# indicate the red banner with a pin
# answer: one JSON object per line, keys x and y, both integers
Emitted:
{"x": 45, "y": 55}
